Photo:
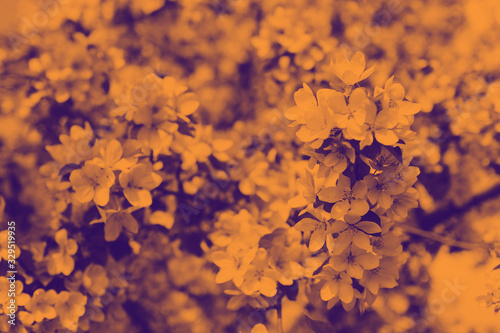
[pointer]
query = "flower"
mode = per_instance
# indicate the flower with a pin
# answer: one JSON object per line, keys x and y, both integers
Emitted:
{"x": 388, "y": 244}
{"x": 259, "y": 328}
{"x": 349, "y": 117}
{"x": 351, "y": 71}
{"x": 316, "y": 118}
{"x": 70, "y": 306}
{"x": 231, "y": 267}
{"x": 95, "y": 280}
{"x": 354, "y": 261}
{"x": 382, "y": 189}
{"x": 115, "y": 219}
{"x": 392, "y": 99}
{"x": 383, "y": 276}
{"x": 340, "y": 154}
{"x": 75, "y": 147}
{"x": 319, "y": 226}
{"x": 92, "y": 182}
{"x": 354, "y": 231}
{"x": 260, "y": 278}
{"x": 6, "y": 295}
{"x": 345, "y": 199}
{"x": 120, "y": 157}
{"x": 137, "y": 184}
{"x": 61, "y": 261}
{"x": 402, "y": 203}
{"x": 337, "y": 284}
{"x": 4, "y": 249}
{"x": 40, "y": 307}
{"x": 285, "y": 261}
{"x": 307, "y": 191}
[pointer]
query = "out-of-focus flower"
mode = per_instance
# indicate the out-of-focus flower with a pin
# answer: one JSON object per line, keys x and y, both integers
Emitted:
{"x": 351, "y": 71}
{"x": 7, "y": 294}
{"x": 95, "y": 279}
{"x": 40, "y": 307}
{"x": 70, "y": 306}
{"x": 62, "y": 261}
{"x": 4, "y": 247}
{"x": 75, "y": 147}
{"x": 259, "y": 278}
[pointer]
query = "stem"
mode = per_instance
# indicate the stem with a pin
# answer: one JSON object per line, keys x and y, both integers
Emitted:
{"x": 280, "y": 318}
{"x": 445, "y": 240}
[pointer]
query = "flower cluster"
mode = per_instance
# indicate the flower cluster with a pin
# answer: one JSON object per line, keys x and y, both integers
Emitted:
{"x": 358, "y": 183}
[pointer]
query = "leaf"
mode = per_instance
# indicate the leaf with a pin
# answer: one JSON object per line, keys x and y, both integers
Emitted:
{"x": 396, "y": 152}
{"x": 497, "y": 267}
{"x": 277, "y": 237}
{"x": 319, "y": 326}
{"x": 66, "y": 171}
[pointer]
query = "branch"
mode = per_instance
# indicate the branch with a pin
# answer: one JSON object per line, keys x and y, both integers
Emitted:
{"x": 445, "y": 240}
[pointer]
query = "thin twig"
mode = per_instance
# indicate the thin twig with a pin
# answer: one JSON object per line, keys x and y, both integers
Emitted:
{"x": 445, "y": 240}
{"x": 280, "y": 318}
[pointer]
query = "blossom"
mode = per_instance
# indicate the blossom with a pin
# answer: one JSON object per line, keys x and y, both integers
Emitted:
{"x": 260, "y": 278}
{"x": 75, "y": 147}
{"x": 285, "y": 260}
{"x": 316, "y": 118}
{"x": 345, "y": 198}
{"x": 351, "y": 71}
{"x": 383, "y": 276}
{"x": 137, "y": 184}
{"x": 381, "y": 190}
{"x": 402, "y": 203}
{"x": 388, "y": 244}
{"x": 40, "y": 307}
{"x": 4, "y": 247}
{"x": 307, "y": 191}
{"x": 354, "y": 261}
{"x": 349, "y": 116}
{"x": 62, "y": 261}
{"x": 381, "y": 125}
{"x": 6, "y": 294}
{"x": 231, "y": 267}
{"x": 95, "y": 279}
{"x": 92, "y": 182}
{"x": 115, "y": 219}
{"x": 339, "y": 156}
{"x": 337, "y": 284}
{"x": 392, "y": 99}
{"x": 70, "y": 306}
{"x": 120, "y": 157}
{"x": 318, "y": 226}
{"x": 352, "y": 230}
